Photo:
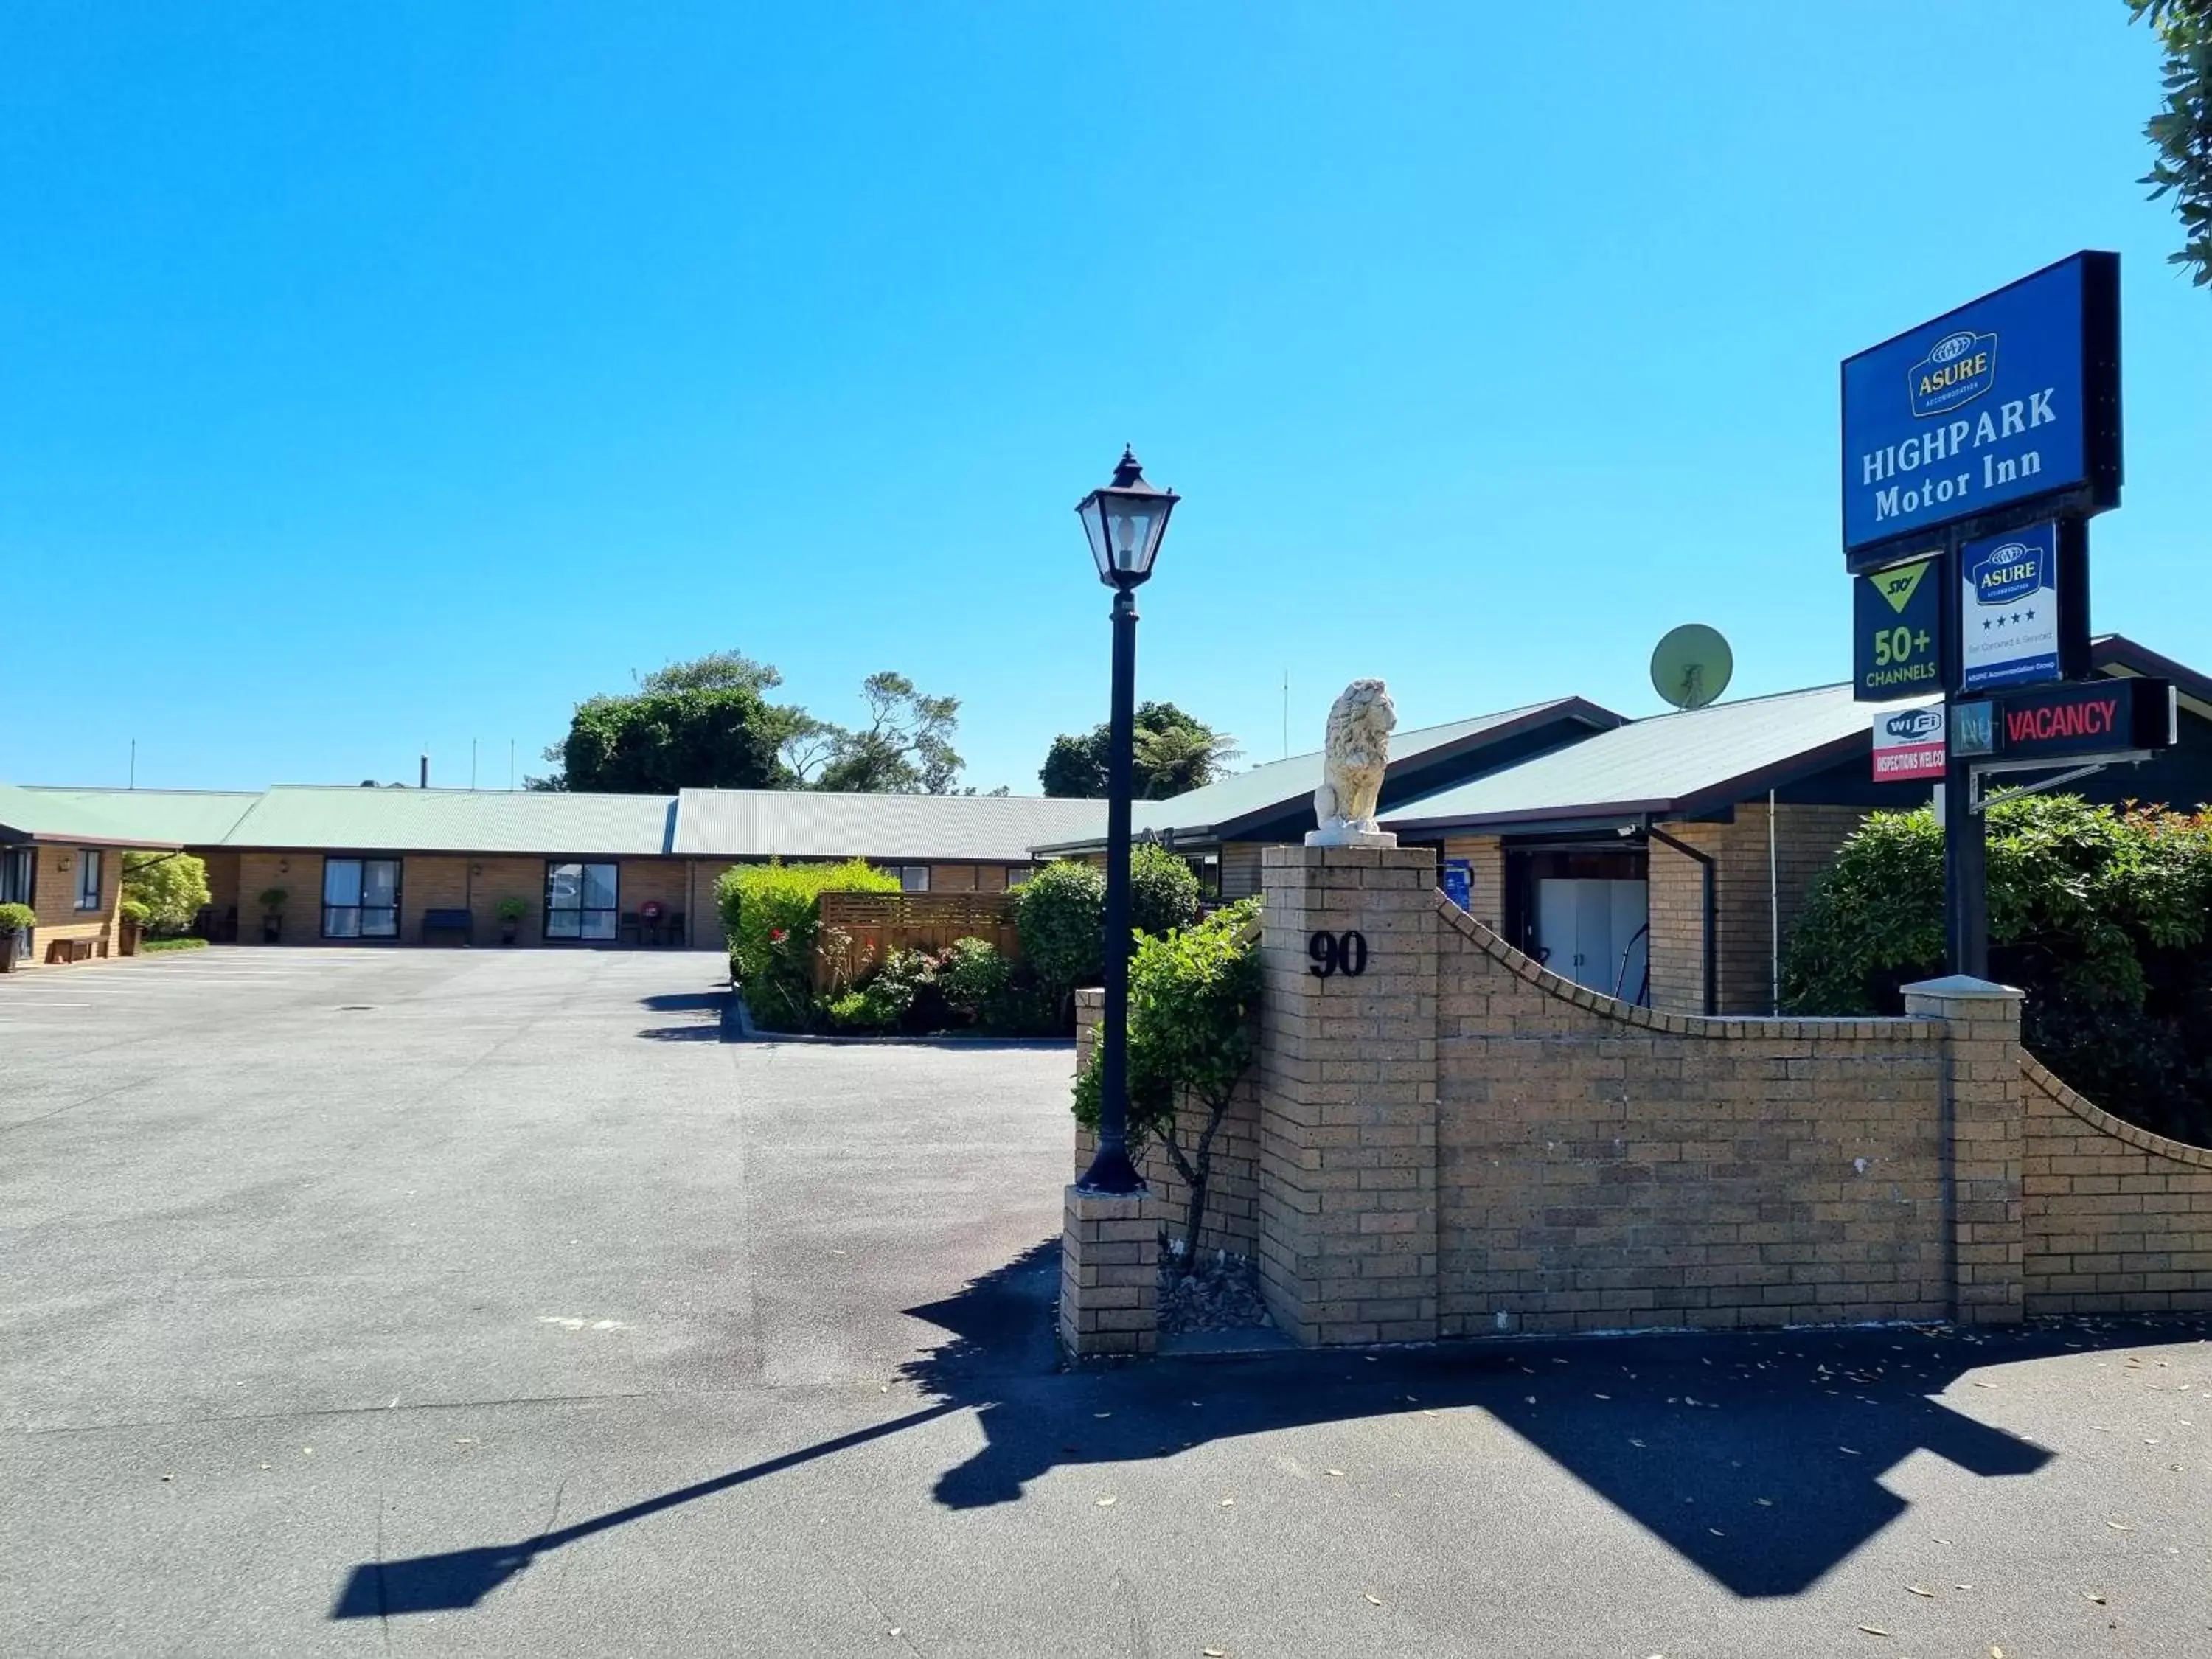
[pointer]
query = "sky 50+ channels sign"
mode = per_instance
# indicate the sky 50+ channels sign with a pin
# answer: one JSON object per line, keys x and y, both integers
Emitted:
{"x": 1897, "y": 632}
{"x": 2012, "y": 398}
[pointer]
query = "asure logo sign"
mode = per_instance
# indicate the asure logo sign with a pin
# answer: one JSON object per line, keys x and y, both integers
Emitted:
{"x": 1958, "y": 368}
{"x": 2008, "y": 572}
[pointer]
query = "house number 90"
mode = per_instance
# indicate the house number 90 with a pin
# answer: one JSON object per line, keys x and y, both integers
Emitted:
{"x": 1337, "y": 953}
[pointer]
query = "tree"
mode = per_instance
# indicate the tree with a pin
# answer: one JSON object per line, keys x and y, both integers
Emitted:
{"x": 2099, "y": 914}
{"x": 657, "y": 743}
{"x": 718, "y": 671}
{"x": 172, "y": 886}
{"x": 1173, "y": 753}
{"x": 906, "y": 748}
{"x": 2182, "y": 131}
{"x": 1192, "y": 996}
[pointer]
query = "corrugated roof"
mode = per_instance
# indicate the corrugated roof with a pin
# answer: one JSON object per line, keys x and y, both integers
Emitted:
{"x": 355, "y": 819}
{"x": 59, "y": 815}
{"x": 802, "y": 823}
{"x": 188, "y": 818}
{"x": 1652, "y": 765}
{"x": 1279, "y": 785}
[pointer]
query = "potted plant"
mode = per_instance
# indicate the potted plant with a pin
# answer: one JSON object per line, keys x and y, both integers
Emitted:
{"x": 272, "y": 914}
{"x": 510, "y": 912}
{"x": 14, "y": 919}
{"x": 132, "y": 928}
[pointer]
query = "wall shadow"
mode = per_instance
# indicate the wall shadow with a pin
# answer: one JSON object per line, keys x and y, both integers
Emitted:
{"x": 1682, "y": 1434}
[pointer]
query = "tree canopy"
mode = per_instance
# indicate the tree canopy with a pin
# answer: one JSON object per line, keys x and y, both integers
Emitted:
{"x": 169, "y": 888}
{"x": 707, "y": 723}
{"x": 2181, "y": 131}
{"x": 1174, "y": 752}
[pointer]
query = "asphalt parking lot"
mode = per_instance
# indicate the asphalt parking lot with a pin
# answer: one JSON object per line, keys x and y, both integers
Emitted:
{"x": 491, "y": 1302}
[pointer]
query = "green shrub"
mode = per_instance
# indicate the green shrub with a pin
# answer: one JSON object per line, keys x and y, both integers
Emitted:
{"x": 272, "y": 898}
{"x": 1164, "y": 891}
{"x": 169, "y": 887}
{"x": 2097, "y": 914}
{"x": 976, "y": 981}
{"x": 186, "y": 943}
{"x": 1193, "y": 996}
{"x": 14, "y": 918}
{"x": 511, "y": 909}
{"x": 771, "y": 912}
{"x": 1061, "y": 917}
{"x": 135, "y": 911}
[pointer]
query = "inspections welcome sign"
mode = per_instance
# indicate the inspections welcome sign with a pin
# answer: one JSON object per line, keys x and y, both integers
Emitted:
{"x": 2011, "y": 399}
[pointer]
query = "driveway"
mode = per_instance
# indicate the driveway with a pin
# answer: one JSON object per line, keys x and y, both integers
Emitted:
{"x": 489, "y": 1303}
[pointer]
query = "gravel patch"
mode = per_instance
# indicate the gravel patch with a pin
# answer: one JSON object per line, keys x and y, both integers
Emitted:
{"x": 1223, "y": 1295}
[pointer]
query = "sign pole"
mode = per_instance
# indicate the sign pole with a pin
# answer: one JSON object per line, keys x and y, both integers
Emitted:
{"x": 1966, "y": 846}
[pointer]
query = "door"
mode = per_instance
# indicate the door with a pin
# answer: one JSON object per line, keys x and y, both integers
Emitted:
{"x": 1589, "y": 929}
{"x": 581, "y": 901}
{"x": 19, "y": 868}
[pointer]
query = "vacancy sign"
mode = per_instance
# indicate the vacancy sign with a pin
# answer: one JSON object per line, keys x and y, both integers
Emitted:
{"x": 1908, "y": 744}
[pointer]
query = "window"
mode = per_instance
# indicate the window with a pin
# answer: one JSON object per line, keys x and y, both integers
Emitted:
{"x": 1017, "y": 874}
{"x": 913, "y": 877}
{"x": 361, "y": 898}
{"x": 580, "y": 900}
{"x": 87, "y": 879}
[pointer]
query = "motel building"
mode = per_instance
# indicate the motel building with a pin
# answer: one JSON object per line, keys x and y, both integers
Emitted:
{"x": 1662, "y": 859}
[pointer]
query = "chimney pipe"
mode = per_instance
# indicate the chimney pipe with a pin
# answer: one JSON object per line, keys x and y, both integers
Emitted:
{"x": 425, "y": 783}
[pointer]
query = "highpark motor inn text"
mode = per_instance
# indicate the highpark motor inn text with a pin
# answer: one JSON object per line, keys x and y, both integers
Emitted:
{"x": 1951, "y": 443}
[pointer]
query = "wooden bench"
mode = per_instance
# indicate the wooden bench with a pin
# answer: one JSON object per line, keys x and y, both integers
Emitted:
{"x": 449, "y": 921}
{"x": 73, "y": 950}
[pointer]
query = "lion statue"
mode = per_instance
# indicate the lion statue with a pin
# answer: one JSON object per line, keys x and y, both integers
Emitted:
{"x": 1356, "y": 749}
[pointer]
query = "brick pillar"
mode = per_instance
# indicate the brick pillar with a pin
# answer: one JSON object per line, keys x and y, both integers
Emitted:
{"x": 1347, "y": 1072}
{"x": 1985, "y": 1130}
{"x": 1109, "y": 1276}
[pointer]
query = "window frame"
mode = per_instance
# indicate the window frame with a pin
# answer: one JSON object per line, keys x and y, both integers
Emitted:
{"x": 908, "y": 870}
{"x": 88, "y": 869}
{"x": 580, "y": 911}
{"x": 21, "y": 861}
{"x": 361, "y": 935}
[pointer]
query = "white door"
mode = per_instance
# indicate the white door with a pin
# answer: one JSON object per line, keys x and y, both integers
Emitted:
{"x": 1588, "y": 928}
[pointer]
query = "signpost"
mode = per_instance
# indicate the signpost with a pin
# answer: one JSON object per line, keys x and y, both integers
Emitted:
{"x": 1975, "y": 448}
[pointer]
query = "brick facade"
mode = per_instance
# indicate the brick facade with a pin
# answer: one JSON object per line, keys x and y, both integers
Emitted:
{"x": 56, "y": 871}
{"x": 1806, "y": 841}
{"x": 1486, "y": 856}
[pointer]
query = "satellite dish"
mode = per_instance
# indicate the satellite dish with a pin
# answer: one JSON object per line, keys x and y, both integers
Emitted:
{"x": 1691, "y": 667}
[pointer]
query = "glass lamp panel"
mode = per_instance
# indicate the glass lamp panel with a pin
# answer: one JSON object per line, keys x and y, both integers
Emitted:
{"x": 1093, "y": 515}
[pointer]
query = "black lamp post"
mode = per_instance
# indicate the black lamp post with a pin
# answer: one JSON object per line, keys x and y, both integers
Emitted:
{"x": 1125, "y": 521}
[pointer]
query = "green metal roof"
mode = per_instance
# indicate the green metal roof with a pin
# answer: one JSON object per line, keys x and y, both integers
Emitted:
{"x": 356, "y": 819}
{"x": 61, "y": 815}
{"x": 183, "y": 817}
{"x": 1247, "y": 797}
{"x": 1685, "y": 761}
{"x": 803, "y": 823}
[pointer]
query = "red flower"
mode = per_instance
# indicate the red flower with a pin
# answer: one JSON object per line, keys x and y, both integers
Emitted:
{"x": 777, "y": 935}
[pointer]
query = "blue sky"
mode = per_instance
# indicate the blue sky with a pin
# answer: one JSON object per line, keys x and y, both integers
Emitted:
{"x": 372, "y": 378}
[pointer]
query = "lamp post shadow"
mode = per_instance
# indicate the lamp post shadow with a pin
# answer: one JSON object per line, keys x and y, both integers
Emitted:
{"x": 1758, "y": 1457}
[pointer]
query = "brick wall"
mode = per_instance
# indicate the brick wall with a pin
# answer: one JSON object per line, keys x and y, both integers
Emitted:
{"x": 1604, "y": 1166}
{"x": 436, "y": 883}
{"x": 493, "y": 878}
{"x": 222, "y": 879}
{"x": 2116, "y": 1219}
{"x": 1348, "y": 1097}
{"x": 1806, "y": 839}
